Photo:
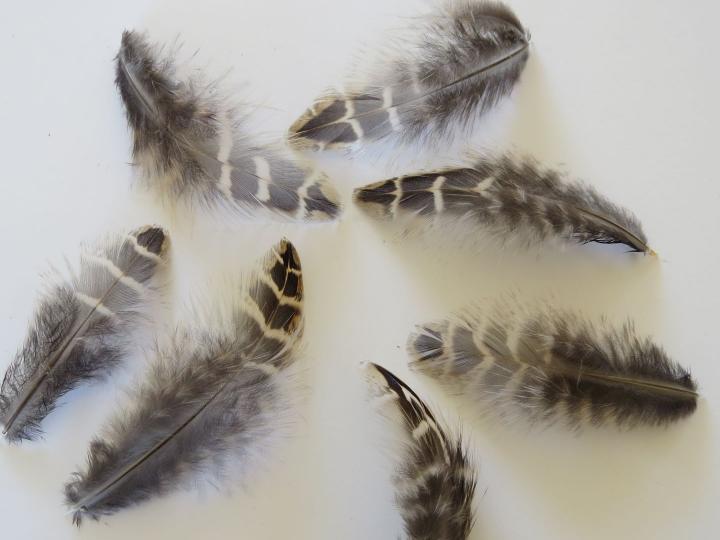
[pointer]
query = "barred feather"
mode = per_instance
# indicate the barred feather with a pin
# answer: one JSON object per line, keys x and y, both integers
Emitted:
{"x": 436, "y": 479}
{"x": 210, "y": 396}
{"x": 549, "y": 366}
{"x": 82, "y": 328}
{"x": 505, "y": 197}
{"x": 191, "y": 147}
{"x": 462, "y": 59}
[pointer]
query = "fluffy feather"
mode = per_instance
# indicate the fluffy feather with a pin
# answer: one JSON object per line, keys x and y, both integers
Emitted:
{"x": 547, "y": 365}
{"x": 462, "y": 59}
{"x": 503, "y": 197}
{"x": 82, "y": 327}
{"x": 209, "y": 396}
{"x": 191, "y": 146}
{"x": 436, "y": 479}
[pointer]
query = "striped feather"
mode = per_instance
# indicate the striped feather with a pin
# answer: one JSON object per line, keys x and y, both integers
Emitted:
{"x": 210, "y": 396}
{"x": 506, "y": 197}
{"x": 461, "y": 60}
{"x": 191, "y": 147}
{"x": 435, "y": 481}
{"x": 548, "y": 366}
{"x": 82, "y": 328}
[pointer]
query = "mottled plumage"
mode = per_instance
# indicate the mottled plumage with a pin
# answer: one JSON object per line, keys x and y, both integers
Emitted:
{"x": 505, "y": 197}
{"x": 435, "y": 480}
{"x": 192, "y": 146}
{"x": 82, "y": 327}
{"x": 549, "y": 366}
{"x": 209, "y": 396}
{"x": 460, "y": 61}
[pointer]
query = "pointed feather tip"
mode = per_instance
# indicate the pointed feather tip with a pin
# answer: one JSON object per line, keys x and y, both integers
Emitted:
{"x": 380, "y": 382}
{"x": 287, "y": 254}
{"x": 135, "y": 48}
{"x": 376, "y": 199}
{"x": 323, "y": 125}
{"x": 154, "y": 238}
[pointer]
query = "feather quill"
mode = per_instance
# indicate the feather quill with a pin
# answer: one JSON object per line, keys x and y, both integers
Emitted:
{"x": 207, "y": 397}
{"x": 507, "y": 197}
{"x": 462, "y": 59}
{"x": 552, "y": 366}
{"x": 191, "y": 146}
{"x": 435, "y": 483}
{"x": 82, "y": 327}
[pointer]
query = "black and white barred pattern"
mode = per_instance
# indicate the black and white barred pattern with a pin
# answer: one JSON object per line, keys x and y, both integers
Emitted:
{"x": 460, "y": 61}
{"x": 550, "y": 366}
{"x": 192, "y": 148}
{"x": 210, "y": 394}
{"x": 506, "y": 197}
{"x": 82, "y": 327}
{"x": 435, "y": 479}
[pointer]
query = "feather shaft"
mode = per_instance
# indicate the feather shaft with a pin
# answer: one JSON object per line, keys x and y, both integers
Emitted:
{"x": 192, "y": 146}
{"x": 462, "y": 60}
{"x": 435, "y": 479}
{"x": 81, "y": 328}
{"x": 506, "y": 197}
{"x": 548, "y": 365}
{"x": 209, "y": 394}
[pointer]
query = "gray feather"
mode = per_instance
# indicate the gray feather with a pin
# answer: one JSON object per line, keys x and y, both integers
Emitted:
{"x": 193, "y": 148}
{"x": 435, "y": 481}
{"x": 82, "y": 328}
{"x": 209, "y": 396}
{"x": 546, "y": 366}
{"x": 461, "y": 61}
{"x": 504, "y": 197}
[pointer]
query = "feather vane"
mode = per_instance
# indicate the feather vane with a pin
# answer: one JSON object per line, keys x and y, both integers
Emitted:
{"x": 435, "y": 482}
{"x": 506, "y": 197}
{"x": 192, "y": 147}
{"x": 82, "y": 327}
{"x": 463, "y": 59}
{"x": 208, "y": 396}
{"x": 547, "y": 366}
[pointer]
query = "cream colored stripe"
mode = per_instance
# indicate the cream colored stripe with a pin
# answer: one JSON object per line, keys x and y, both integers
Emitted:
{"x": 485, "y": 184}
{"x": 116, "y": 272}
{"x": 262, "y": 171}
{"x": 392, "y": 111}
{"x": 268, "y": 369}
{"x": 95, "y": 304}
{"x": 142, "y": 250}
{"x": 437, "y": 194}
{"x": 226, "y": 145}
{"x": 254, "y": 312}
{"x": 398, "y": 194}
{"x": 310, "y": 179}
{"x": 421, "y": 429}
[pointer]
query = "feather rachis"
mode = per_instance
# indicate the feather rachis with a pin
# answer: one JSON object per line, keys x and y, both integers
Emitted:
{"x": 461, "y": 60}
{"x": 193, "y": 148}
{"x": 207, "y": 394}
{"x": 507, "y": 197}
{"x": 435, "y": 479}
{"x": 547, "y": 366}
{"x": 82, "y": 327}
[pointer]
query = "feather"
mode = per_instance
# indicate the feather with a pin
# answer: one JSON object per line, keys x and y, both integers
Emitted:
{"x": 505, "y": 196}
{"x": 209, "y": 396}
{"x": 435, "y": 482}
{"x": 548, "y": 365}
{"x": 82, "y": 327}
{"x": 461, "y": 60}
{"x": 191, "y": 146}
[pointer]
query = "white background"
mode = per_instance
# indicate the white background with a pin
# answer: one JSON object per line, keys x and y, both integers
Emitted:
{"x": 622, "y": 94}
